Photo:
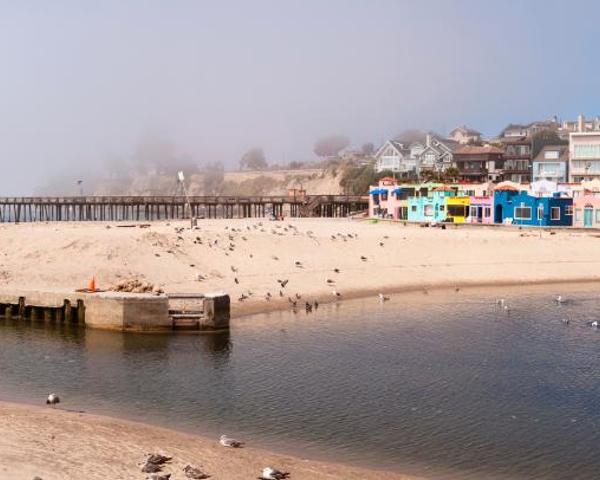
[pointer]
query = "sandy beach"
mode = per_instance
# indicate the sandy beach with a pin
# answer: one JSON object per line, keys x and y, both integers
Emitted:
{"x": 64, "y": 256}
{"x": 55, "y": 444}
{"x": 60, "y": 445}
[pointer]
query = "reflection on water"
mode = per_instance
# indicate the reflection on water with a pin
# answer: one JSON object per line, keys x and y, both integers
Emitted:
{"x": 453, "y": 383}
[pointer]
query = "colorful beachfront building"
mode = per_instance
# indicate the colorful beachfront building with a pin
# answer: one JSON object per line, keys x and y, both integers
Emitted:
{"x": 586, "y": 210}
{"x": 430, "y": 208}
{"x": 520, "y": 208}
{"x": 390, "y": 200}
{"x": 457, "y": 209}
{"x": 481, "y": 209}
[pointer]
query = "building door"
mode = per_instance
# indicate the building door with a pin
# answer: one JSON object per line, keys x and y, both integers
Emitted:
{"x": 498, "y": 214}
{"x": 588, "y": 212}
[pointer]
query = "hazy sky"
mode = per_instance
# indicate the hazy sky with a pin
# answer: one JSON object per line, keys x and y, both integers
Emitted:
{"x": 83, "y": 81}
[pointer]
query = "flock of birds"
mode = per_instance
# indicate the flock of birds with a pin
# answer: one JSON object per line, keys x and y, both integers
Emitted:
{"x": 558, "y": 299}
{"x": 154, "y": 463}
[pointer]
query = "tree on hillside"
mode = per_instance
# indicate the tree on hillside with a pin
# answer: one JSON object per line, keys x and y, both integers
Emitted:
{"x": 367, "y": 149}
{"x": 543, "y": 138}
{"x": 331, "y": 145}
{"x": 254, "y": 159}
{"x": 411, "y": 136}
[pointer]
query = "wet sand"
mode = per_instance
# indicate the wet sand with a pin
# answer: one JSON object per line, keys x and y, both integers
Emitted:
{"x": 59, "y": 445}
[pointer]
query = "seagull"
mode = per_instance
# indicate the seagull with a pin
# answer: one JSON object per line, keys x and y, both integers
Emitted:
{"x": 242, "y": 298}
{"x": 270, "y": 473}
{"x": 329, "y": 281}
{"x": 157, "y": 459}
{"x": 298, "y": 264}
{"x": 381, "y": 244}
{"x": 194, "y": 473}
{"x": 292, "y": 302}
{"x": 500, "y": 302}
{"x": 316, "y": 304}
{"x": 52, "y": 400}
{"x": 280, "y": 293}
{"x": 558, "y": 299}
{"x": 383, "y": 298}
{"x": 283, "y": 283}
{"x": 236, "y": 280}
{"x": 595, "y": 324}
{"x": 230, "y": 442}
{"x": 158, "y": 476}
{"x": 233, "y": 269}
{"x": 298, "y": 296}
{"x": 336, "y": 270}
{"x": 337, "y": 294}
{"x": 363, "y": 258}
{"x": 308, "y": 307}
{"x": 565, "y": 321}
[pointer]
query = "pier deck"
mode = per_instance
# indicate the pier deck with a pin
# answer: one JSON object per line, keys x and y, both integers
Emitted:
{"x": 153, "y": 207}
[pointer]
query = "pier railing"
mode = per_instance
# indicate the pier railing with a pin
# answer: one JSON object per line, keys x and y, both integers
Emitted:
{"x": 178, "y": 207}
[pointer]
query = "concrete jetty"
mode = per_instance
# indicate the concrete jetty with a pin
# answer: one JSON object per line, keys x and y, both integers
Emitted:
{"x": 130, "y": 312}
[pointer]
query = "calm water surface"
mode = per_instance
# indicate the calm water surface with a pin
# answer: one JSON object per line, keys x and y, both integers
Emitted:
{"x": 447, "y": 386}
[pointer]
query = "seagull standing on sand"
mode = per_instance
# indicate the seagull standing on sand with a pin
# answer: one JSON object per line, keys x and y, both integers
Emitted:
{"x": 270, "y": 473}
{"x": 595, "y": 324}
{"x": 52, "y": 400}
{"x": 230, "y": 442}
{"x": 383, "y": 298}
{"x": 336, "y": 294}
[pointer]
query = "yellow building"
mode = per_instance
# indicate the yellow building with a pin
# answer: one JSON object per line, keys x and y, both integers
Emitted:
{"x": 457, "y": 209}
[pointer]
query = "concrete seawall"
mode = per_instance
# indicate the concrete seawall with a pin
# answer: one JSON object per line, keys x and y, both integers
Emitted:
{"x": 117, "y": 311}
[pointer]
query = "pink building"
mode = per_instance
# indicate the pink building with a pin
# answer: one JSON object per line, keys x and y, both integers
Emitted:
{"x": 481, "y": 210}
{"x": 586, "y": 209}
{"x": 382, "y": 200}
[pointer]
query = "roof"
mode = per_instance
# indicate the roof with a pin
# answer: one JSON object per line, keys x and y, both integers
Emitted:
{"x": 563, "y": 154}
{"x": 515, "y": 140}
{"x": 466, "y": 130}
{"x": 477, "y": 150}
{"x": 443, "y": 188}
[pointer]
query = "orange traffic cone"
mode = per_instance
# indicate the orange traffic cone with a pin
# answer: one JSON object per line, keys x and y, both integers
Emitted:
{"x": 92, "y": 285}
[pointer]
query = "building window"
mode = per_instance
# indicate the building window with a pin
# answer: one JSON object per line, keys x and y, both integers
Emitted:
{"x": 523, "y": 213}
{"x": 413, "y": 208}
{"x": 555, "y": 213}
{"x": 487, "y": 212}
{"x": 540, "y": 212}
{"x": 473, "y": 212}
{"x": 569, "y": 210}
{"x": 577, "y": 214}
{"x": 442, "y": 208}
{"x": 598, "y": 215}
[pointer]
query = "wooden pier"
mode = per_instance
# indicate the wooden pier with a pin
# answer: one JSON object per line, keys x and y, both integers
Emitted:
{"x": 151, "y": 208}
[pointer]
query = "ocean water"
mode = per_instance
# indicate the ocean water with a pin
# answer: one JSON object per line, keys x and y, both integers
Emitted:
{"x": 446, "y": 385}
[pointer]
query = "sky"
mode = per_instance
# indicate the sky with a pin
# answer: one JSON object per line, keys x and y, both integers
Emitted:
{"x": 84, "y": 81}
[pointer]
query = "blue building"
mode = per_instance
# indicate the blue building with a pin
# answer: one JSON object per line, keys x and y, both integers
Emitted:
{"x": 521, "y": 208}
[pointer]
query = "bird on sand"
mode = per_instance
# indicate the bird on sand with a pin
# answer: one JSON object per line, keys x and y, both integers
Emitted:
{"x": 242, "y": 297}
{"x": 236, "y": 280}
{"x": 336, "y": 270}
{"x": 363, "y": 258}
{"x": 565, "y": 321}
{"x": 336, "y": 294}
{"x": 316, "y": 304}
{"x": 194, "y": 473}
{"x": 559, "y": 299}
{"x": 298, "y": 264}
{"x": 52, "y": 400}
{"x": 158, "y": 459}
{"x": 595, "y": 324}
{"x": 330, "y": 281}
{"x": 270, "y": 473}
{"x": 230, "y": 442}
{"x": 233, "y": 269}
{"x": 283, "y": 283}
{"x": 159, "y": 476}
{"x": 383, "y": 298}
{"x": 280, "y": 293}
{"x": 308, "y": 307}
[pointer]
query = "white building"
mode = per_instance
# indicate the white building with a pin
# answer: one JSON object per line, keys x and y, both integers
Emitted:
{"x": 395, "y": 157}
{"x": 584, "y": 156}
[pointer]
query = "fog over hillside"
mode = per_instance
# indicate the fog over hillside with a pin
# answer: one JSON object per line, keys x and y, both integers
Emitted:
{"x": 83, "y": 83}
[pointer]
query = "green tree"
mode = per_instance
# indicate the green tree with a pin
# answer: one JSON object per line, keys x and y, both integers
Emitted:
{"x": 254, "y": 159}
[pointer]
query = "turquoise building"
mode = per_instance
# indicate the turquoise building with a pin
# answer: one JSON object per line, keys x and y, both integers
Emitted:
{"x": 430, "y": 208}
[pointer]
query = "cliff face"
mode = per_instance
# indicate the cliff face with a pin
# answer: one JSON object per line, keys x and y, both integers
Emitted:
{"x": 276, "y": 182}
